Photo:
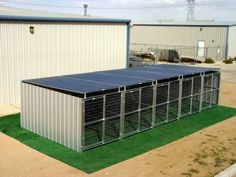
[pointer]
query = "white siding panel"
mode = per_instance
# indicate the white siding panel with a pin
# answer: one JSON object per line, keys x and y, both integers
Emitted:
{"x": 232, "y": 42}
{"x": 178, "y": 35}
{"x": 184, "y": 37}
{"x": 56, "y": 49}
{"x": 54, "y": 115}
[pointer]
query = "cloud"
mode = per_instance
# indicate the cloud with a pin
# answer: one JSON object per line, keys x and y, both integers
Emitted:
{"x": 127, "y": 3}
{"x": 140, "y": 9}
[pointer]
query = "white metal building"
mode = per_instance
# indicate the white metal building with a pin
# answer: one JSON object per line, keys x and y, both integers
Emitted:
{"x": 37, "y": 44}
{"x": 200, "y": 39}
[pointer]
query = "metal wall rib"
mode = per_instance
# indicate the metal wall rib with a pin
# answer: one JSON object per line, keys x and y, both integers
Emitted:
{"x": 53, "y": 115}
{"x": 56, "y": 49}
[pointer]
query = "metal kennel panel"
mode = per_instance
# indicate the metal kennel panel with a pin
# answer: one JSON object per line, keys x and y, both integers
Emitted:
{"x": 146, "y": 97}
{"x": 197, "y": 85}
{"x": 210, "y": 90}
{"x": 206, "y": 100}
{"x": 93, "y": 121}
{"x": 162, "y": 93}
{"x": 195, "y": 103}
{"x": 93, "y": 134}
{"x": 214, "y": 97}
{"x": 131, "y": 111}
{"x": 187, "y": 87}
{"x": 174, "y": 90}
{"x": 146, "y": 107}
{"x": 93, "y": 109}
{"x": 173, "y": 110}
{"x": 102, "y": 119}
{"x": 145, "y": 119}
{"x": 162, "y": 97}
{"x": 186, "y": 93}
{"x": 112, "y": 105}
{"x": 216, "y": 81}
{"x": 131, "y": 101}
{"x": 161, "y": 114}
{"x": 207, "y": 86}
{"x": 112, "y": 129}
{"x": 186, "y": 106}
{"x": 131, "y": 122}
{"x": 112, "y": 114}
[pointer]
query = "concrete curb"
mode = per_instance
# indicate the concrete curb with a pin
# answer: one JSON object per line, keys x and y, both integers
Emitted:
{"x": 228, "y": 172}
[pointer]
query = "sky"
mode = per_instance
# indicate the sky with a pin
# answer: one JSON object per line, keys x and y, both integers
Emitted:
{"x": 136, "y": 10}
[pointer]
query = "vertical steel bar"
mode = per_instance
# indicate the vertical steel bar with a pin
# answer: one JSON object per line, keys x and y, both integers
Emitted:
{"x": 168, "y": 102}
{"x": 139, "y": 108}
{"x": 82, "y": 143}
{"x": 180, "y": 97}
{"x": 218, "y": 94}
{"x": 191, "y": 101}
{"x": 154, "y": 97}
{"x": 122, "y": 114}
{"x": 201, "y": 92}
{"x": 211, "y": 91}
{"x": 22, "y": 105}
{"x": 103, "y": 118}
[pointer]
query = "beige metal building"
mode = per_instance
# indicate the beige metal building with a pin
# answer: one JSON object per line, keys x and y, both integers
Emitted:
{"x": 191, "y": 39}
{"x": 37, "y": 44}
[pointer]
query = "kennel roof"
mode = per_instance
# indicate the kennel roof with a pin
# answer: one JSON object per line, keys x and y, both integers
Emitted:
{"x": 95, "y": 83}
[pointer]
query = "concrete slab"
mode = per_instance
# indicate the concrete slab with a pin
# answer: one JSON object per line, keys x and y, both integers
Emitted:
{"x": 9, "y": 109}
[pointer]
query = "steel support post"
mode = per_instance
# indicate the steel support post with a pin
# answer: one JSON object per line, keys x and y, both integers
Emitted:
{"x": 191, "y": 101}
{"x": 103, "y": 118}
{"x": 211, "y": 91}
{"x": 139, "y": 107}
{"x": 218, "y": 94}
{"x": 154, "y": 97}
{"x": 202, "y": 90}
{"x": 168, "y": 102}
{"x": 122, "y": 114}
{"x": 180, "y": 97}
{"x": 82, "y": 143}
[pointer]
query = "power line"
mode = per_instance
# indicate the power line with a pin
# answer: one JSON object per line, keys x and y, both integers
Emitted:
{"x": 101, "y": 8}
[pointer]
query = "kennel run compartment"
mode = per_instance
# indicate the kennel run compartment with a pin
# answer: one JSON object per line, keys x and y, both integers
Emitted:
{"x": 82, "y": 111}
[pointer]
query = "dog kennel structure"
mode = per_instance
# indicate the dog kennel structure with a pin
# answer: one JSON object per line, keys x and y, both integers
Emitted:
{"x": 87, "y": 110}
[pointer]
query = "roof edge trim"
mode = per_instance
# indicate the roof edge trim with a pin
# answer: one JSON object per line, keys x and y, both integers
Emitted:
{"x": 61, "y": 19}
{"x": 182, "y": 25}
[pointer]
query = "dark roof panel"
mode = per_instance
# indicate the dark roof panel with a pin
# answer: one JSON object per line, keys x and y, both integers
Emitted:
{"x": 88, "y": 83}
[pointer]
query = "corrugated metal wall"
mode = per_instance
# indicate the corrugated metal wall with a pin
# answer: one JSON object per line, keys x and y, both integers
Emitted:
{"x": 232, "y": 42}
{"x": 185, "y": 36}
{"x": 56, "y": 49}
{"x": 53, "y": 115}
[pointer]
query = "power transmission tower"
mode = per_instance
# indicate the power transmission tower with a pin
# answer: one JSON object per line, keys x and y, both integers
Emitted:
{"x": 190, "y": 7}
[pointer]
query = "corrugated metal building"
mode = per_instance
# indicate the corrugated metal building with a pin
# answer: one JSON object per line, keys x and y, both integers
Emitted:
{"x": 82, "y": 111}
{"x": 191, "y": 39}
{"x": 40, "y": 44}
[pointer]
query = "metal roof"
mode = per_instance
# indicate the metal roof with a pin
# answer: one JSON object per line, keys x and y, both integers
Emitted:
{"x": 89, "y": 83}
{"x": 190, "y": 23}
{"x": 17, "y": 14}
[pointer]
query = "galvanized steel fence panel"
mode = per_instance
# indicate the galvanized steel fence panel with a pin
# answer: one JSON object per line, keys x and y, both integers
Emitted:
{"x": 114, "y": 116}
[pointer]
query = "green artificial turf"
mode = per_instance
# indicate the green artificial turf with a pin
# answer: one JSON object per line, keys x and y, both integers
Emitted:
{"x": 104, "y": 156}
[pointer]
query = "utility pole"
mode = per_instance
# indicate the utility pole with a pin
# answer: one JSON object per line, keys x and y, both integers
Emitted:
{"x": 190, "y": 8}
